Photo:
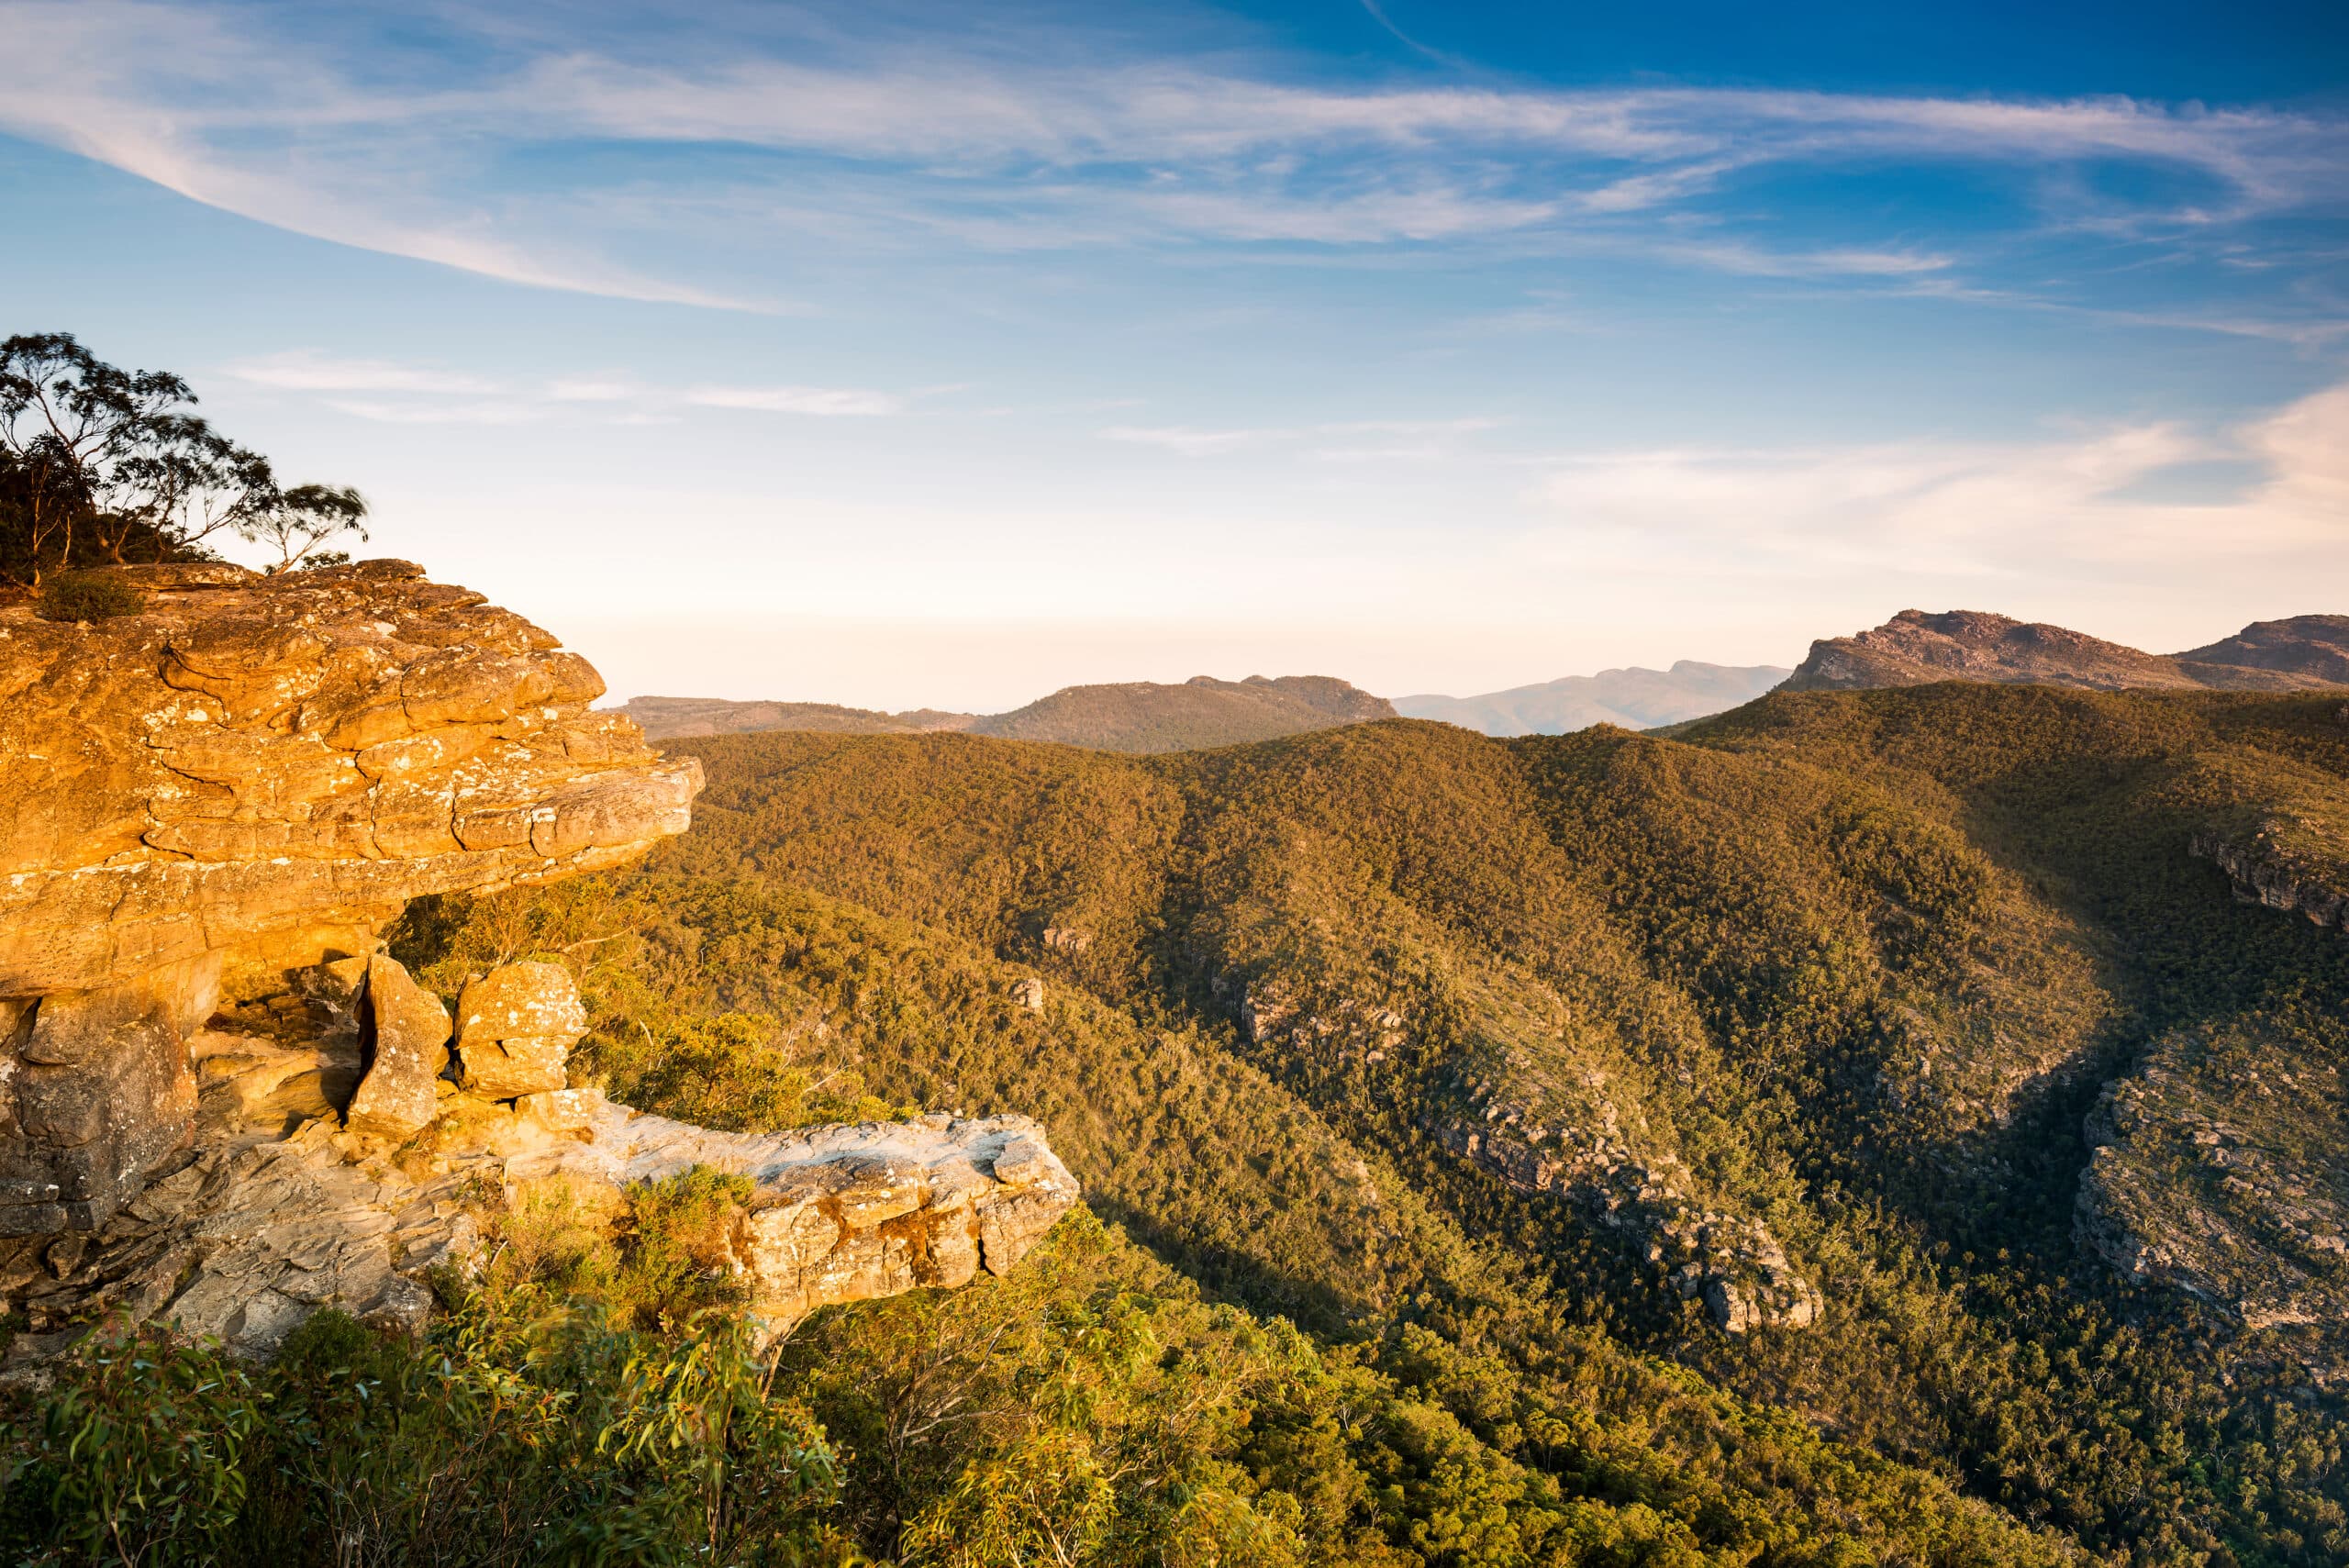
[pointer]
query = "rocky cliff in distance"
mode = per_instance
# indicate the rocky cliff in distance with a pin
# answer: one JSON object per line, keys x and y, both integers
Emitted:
{"x": 1915, "y": 647}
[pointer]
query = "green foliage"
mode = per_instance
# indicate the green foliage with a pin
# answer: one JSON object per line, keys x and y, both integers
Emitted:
{"x": 101, "y": 465}
{"x": 1861, "y": 960}
{"x": 87, "y": 595}
{"x": 140, "y": 1456}
{"x": 531, "y": 1426}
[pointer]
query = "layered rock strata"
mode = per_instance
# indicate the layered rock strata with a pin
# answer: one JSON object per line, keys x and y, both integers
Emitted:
{"x": 251, "y": 775}
{"x": 2305, "y": 652}
{"x": 2298, "y": 865}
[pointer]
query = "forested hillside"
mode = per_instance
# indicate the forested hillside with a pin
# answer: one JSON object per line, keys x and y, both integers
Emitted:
{"x": 1840, "y": 1134}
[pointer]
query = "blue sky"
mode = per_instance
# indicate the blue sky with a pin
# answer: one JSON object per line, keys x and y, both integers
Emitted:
{"x": 945, "y": 354}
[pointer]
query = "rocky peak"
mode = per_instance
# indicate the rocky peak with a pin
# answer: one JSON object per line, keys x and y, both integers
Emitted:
{"x": 1916, "y": 646}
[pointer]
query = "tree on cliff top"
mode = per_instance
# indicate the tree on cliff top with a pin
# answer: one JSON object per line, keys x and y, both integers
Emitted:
{"x": 99, "y": 465}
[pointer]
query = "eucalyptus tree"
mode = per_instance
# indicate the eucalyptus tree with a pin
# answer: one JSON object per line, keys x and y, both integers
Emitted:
{"x": 103, "y": 465}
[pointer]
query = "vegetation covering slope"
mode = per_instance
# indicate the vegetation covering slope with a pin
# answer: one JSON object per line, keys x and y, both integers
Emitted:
{"x": 1471, "y": 1123}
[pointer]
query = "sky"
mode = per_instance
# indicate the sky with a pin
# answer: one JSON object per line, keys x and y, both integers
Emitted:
{"x": 930, "y": 354}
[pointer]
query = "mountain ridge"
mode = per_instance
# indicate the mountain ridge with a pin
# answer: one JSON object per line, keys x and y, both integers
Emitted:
{"x": 1128, "y": 716}
{"x": 1918, "y": 646}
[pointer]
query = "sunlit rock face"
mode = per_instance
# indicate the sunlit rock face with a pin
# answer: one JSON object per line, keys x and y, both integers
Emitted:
{"x": 239, "y": 782}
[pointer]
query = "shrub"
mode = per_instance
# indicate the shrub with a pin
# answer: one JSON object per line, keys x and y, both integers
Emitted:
{"x": 88, "y": 595}
{"x": 136, "y": 1455}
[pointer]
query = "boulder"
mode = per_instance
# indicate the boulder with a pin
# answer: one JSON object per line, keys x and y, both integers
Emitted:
{"x": 514, "y": 1027}
{"x": 407, "y": 1046}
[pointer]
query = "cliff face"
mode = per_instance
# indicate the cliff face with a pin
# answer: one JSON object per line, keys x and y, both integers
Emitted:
{"x": 247, "y": 778}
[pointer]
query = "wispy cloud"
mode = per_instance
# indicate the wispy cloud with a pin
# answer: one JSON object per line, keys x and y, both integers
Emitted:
{"x": 1061, "y": 145}
{"x": 492, "y": 412}
{"x": 1338, "y": 440}
{"x": 1968, "y": 509}
{"x": 1187, "y": 441}
{"x": 306, "y": 370}
{"x": 820, "y": 400}
{"x": 423, "y": 394}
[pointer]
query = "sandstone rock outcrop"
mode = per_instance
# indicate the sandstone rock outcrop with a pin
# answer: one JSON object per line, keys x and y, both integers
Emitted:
{"x": 405, "y": 1048}
{"x": 251, "y": 775}
{"x": 222, "y": 1108}
{"x": 252, "y": 1233}
{"x": 1571, "y": 1146}
{"x": 2296, "y": 865}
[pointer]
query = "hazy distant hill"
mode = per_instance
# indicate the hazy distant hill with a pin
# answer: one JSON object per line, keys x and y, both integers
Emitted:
{"x": 1914, "y": 648}
{"x": 2314, "y": 647}
{"x": 1134, "y": 716}
{"x": 1634, "y": 698}
{"x": 1142, "y": 716}
{"x": 678, "y": 719}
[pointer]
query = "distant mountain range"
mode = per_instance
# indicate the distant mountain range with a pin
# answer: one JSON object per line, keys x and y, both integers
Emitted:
{"x": 1633, "y": 698}
{"x": 1132, "y": 716}
{"x": 1915, "y": 647}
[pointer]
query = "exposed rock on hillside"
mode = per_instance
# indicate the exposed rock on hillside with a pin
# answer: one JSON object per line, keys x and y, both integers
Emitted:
{"x": 1567, "y": 1141}
{"x": 2215, "y": 1173}
{"x": 1634, "y": 698}
{"x": 2272, "y": 864}
{"x": 249, "y": 776}
{"x": 1914, "y": 648}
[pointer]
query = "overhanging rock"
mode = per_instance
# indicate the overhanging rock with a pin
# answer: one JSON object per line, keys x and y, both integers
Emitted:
{"x": 248, "y": 776}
